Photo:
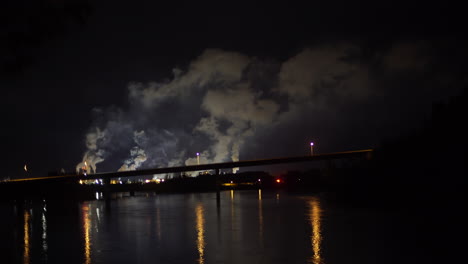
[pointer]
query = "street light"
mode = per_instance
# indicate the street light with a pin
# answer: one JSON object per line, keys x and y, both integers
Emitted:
{"x": 311, "y": 148}
{"x": 198, "y": 158}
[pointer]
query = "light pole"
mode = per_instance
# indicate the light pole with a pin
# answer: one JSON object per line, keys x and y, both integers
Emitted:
{"x": 311, "y": 148}
{"x": 198, "y": 158}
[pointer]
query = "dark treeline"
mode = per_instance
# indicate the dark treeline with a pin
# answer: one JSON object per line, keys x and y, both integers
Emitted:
{"x": 425, "y": 166}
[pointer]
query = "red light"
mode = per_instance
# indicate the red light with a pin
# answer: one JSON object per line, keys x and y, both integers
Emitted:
{"x": 278, "y": 180}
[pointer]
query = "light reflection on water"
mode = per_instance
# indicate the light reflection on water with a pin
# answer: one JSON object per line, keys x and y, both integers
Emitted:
{"x": 248, "y": 227}
{"x": 233, "y": 217}
{"x": 260, "y": 218}
{"x": 29, "y": 229}
{"x": 316, "y": 237}
{"x": 86, "y": 233}
{"x": 26, "y": 240}
{"x": 225, "y": 234}
{"x": 200, "y": 226}
{"x": 44, "y": 232}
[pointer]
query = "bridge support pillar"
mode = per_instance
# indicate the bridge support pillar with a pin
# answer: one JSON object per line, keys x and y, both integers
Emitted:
{"x": 107, "y": 191}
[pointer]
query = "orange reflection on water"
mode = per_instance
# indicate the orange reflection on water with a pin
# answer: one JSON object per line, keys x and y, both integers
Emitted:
{"x": 260, "y": 217}
{"x": 200, "y": 219}
{"x": 316, "y": 238}
{"x": 233, "y": 217}
{"x": 86, "y": 229}
{"x": 26, "y": 241}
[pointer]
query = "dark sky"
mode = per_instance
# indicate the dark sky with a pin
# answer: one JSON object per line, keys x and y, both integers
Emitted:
{"x": 139, "y": 84}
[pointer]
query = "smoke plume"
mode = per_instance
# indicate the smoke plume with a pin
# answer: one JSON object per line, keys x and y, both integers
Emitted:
{"x": 94, "y": 154}
{"x": 137, "y": 154}
{"x": 224, "y": 104}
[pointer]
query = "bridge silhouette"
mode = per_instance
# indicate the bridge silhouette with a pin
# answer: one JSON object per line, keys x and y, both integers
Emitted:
{"x": 205, "y": 167}
{"x": 44, "y": 182}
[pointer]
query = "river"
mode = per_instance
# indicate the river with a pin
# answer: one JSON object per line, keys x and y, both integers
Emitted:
{"x": 249, "y": 226}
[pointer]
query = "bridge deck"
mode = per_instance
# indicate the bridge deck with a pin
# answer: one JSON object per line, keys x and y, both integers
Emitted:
{"x": 203, "y": 167}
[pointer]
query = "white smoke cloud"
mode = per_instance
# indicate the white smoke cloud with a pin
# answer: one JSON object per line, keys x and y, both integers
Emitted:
{"x": 317, "y": 81}
{"x": 218, "y": 105}
{"x": 93, "y": 155}
{"x": 137, "y": 154}
{"x": 242, "y": 110}
{"x": 316, "y": 75}
{"x": 212, "y": 67}
{"x": 137, "y": 157}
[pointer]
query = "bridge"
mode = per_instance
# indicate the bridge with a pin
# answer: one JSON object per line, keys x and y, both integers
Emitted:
{"x": 29, "y": 184}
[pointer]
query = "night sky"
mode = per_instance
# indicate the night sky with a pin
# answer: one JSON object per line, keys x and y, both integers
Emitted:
{"x": 140, "y": 84}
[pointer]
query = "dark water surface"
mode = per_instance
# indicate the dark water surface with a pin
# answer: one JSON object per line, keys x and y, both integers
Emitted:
{"x": 247, "y": 227}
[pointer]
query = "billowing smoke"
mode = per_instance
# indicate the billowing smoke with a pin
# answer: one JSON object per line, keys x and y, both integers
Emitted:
{"x": 222, "y": 105}
{"x": 241, "y": 111}
{"x": 93, "y": 154}
{"x": 137, "y": 154}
